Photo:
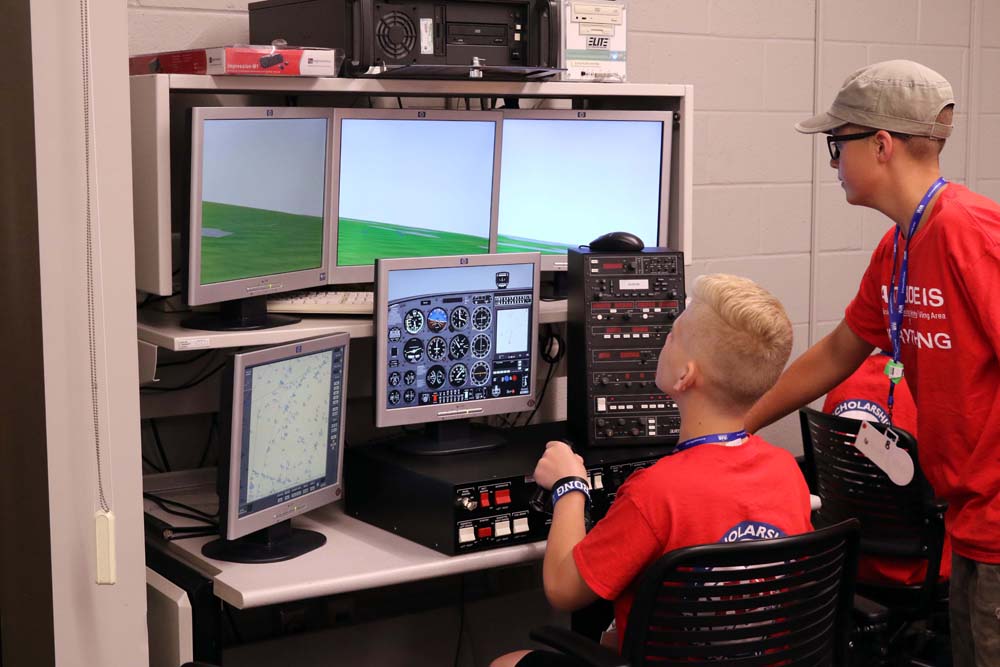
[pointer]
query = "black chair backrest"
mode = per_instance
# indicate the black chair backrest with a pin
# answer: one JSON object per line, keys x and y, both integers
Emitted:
{"x": 785, "y": 601}
{"x": 893, "y": 518}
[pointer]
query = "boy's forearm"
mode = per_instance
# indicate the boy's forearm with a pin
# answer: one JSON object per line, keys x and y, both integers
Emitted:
{"x": 823, "y": 366}
{"x": 564, "y": 587}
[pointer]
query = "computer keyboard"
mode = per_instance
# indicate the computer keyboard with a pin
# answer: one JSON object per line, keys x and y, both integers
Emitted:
{"x": 323, "y": 302}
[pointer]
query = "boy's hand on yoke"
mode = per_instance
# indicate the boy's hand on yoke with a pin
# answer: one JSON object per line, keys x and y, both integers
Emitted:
{"x": 557, "y": 462}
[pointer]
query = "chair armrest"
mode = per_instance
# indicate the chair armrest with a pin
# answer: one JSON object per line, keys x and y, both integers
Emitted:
{"x": 868, "y": 613}
{"x": 577, "y": 646}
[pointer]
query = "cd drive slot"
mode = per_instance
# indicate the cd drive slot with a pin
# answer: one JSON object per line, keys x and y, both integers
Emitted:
{"x": 477, "y": 34}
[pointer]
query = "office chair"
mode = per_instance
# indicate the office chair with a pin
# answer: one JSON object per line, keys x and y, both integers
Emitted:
{"x": 898, "y": 521}
{"x": 785, "y": 601}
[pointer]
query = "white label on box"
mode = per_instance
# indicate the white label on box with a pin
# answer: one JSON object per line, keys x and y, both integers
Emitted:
{"x": 633, "y": 284}
{"x": 192, "y": 343}
{"x": 426, "y": 37}
{"x": 594, "y": 42}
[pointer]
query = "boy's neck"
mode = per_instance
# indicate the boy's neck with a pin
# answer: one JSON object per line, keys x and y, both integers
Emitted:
{"x": 905, "y": 198}
{"x": 702, "y": 418}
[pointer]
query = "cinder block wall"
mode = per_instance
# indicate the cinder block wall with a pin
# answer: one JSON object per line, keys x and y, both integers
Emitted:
{"x": 766, "y": 203}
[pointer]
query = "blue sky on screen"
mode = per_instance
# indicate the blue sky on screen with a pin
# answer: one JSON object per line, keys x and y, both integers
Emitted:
{"x": 569, "y": 181}
{"x": 434, "y": 174}
{"x": 278, "y": 164}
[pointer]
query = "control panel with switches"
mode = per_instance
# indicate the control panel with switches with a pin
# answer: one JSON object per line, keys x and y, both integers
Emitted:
{"x": 622, "y": 305}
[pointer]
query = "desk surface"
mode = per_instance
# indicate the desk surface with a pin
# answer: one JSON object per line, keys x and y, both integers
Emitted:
{"x": 356, "y": 556}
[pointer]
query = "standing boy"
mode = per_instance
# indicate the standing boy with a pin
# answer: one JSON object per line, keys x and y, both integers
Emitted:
{"x": 930, "y": 297}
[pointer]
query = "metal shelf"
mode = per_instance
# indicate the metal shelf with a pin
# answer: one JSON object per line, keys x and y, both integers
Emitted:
{"x": 165, "y": 330}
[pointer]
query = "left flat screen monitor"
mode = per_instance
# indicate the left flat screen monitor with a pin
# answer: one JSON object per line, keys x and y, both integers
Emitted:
{"x": 260, "y": 209}
{"x": 283, "y": 413}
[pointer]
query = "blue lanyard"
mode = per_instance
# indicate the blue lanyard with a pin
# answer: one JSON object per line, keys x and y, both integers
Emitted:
{"x": 897, "y": 293}
{"x": 712, "y": 438}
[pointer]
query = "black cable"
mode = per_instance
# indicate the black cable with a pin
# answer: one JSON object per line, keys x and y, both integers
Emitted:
{"x": 188, "y": 385}
{"x": 197, "y": 357}
{"x": 192, "y": 513}
{"x": 399, "y": 102}
{"x": 159, "y": 445}
{"x": 552, "y": 358}
{"x": 461, "y": 617}
{"x": 153, "y": 298}
{"x": 150, "y": 463}
{"x": 213, "y": 428}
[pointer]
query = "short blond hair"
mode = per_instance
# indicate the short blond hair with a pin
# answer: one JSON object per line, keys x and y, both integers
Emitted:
{"x": 739, "y": 335}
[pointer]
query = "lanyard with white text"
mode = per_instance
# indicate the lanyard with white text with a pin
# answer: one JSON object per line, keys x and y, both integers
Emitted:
{"x": 712, "y": 438}
{"x": 897, "y": 293}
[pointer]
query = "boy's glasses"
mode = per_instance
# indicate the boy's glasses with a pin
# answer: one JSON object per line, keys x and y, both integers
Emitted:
{"x": 833, "y": 141}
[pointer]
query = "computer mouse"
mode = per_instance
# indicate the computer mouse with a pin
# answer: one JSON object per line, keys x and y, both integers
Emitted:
{"x": 617, "y": 241}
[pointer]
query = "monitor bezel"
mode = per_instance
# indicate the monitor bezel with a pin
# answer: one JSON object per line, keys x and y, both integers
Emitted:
{"x": 198, "y": 294}
{"x": 235, "y": 526}
{"x": 449, "y": 411}
{"x": 561, "y": 262}
{"x": 365, "y": 273}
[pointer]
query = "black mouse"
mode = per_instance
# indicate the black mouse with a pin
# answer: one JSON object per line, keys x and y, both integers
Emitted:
{"x": 617, "y": 241}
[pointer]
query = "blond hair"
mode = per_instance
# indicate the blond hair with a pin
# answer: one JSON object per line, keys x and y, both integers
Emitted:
{"x": 740, "y": 336}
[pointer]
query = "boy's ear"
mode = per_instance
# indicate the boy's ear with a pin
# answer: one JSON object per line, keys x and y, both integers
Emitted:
{"x": 688, "y": 378}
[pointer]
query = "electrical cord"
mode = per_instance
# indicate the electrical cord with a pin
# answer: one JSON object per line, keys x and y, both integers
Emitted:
{"x": 192, "y": 513}
{"x": 152, "y": 465}
{"x": 212, "y": 429}
{"x": 159, "y": 445}
{"x": 187, "y": 385}
{"x": 184, "y": 362}
{"x": 553, "y": 350}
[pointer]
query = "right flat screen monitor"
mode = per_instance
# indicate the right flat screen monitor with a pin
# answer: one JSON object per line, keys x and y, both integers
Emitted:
{"x": 569, "y": 176}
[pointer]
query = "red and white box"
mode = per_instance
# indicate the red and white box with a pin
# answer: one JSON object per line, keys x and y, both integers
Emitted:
{"x": 241, "y": 59}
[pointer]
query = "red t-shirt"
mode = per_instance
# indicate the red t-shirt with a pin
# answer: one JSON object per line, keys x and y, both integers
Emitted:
{"x": 864, "y": 396}
{"x": 706, "y": 494}
{"x": 950, "y": 344}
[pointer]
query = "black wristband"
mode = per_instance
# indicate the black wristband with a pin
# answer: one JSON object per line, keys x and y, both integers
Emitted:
{"x": 569, "y": 485}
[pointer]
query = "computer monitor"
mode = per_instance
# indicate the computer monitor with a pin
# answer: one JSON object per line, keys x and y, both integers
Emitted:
{"x": 569, "y": 176}
{"x": 260, "y": 213}
{"x": 283, "y": 427}
{"x": 412, "y": 183}
{"x": 456, "y": 338}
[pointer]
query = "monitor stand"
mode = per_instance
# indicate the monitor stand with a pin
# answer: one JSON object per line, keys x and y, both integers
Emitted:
{"x": 451, "y": 437}
{"x": 270, "y": 545}
{"x": 239, "y": 315}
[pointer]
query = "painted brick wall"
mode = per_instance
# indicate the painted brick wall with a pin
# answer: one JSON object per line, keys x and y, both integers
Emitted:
{"x": 759, "y": 209}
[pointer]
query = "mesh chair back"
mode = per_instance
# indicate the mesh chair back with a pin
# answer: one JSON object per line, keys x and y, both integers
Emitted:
{"x": 784, "y": 601}
{"x": 851, "y": 486}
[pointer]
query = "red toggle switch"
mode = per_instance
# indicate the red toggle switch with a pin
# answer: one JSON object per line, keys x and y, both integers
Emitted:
{"x": 484, "y": 499}
{"x": 503, "y": 496}
{"x": 485, "y": 531}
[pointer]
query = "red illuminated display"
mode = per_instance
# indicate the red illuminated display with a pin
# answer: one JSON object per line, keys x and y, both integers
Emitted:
{"x": 622, "y": 304}
{"x": 615, "y": 265}
{"x": 603, "y": 355}
{"x": 630, "y": 355}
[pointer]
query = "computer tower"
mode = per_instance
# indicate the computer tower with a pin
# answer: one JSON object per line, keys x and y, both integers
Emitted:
{"x": 395, "y": 33}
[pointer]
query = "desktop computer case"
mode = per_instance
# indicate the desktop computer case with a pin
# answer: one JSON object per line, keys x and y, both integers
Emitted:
{"x": 394, "y": 33}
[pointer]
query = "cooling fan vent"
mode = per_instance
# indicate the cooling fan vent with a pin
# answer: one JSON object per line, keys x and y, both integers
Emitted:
{"x": 396, "y": 34}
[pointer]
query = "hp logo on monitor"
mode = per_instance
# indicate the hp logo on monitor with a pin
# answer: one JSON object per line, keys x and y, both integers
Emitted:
{"x": 581, "y": 114}
{"x": 298, "y": 348}
{"x": 421, "y": 114}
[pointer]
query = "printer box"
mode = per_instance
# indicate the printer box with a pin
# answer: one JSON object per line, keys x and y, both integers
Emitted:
{"x": 241, "y": 59}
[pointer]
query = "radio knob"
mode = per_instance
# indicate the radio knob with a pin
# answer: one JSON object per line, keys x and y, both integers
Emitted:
{"x": 627, "y": 316}
{"x": 599, "y": 296}
{"x": 621, "y": 422}
{"x": 605, "y": 379}
{"x": 635, "y": 432}
{"x": 609, "y": 433}
{"x": 628, "y": 385}
{"x": 601, "y": 423}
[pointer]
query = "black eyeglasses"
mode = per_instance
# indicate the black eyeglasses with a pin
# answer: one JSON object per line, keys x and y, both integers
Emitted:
{"x": 833, "y": 141}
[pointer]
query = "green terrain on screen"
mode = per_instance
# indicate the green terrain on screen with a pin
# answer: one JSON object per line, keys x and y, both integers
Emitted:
{"x": 242, "y": 242}
{"x": 517, "y": 244}
{"x": 360, "y": 242}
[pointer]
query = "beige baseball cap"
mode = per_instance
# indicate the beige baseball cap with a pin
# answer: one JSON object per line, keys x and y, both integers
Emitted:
{"x": 895, "y": 95}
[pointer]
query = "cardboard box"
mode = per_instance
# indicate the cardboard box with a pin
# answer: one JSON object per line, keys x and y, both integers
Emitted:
{"x": 241, "y": 59}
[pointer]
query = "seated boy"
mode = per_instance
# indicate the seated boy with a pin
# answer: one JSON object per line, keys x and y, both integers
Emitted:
{"x": 719, "y": 485}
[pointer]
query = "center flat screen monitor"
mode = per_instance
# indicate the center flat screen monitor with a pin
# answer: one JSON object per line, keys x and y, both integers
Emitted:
{"x": 569, "y": 176}
{"x": 260, "y": 212}
{"x": 455, "y": 338}
{"x": 412, "y": 183}
{"x": 283, "y": 422}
